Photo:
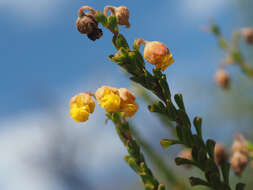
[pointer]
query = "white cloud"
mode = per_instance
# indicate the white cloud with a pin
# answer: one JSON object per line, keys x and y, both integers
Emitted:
{"x": 198, "y": 8}
{"x": 31, "y": 11}
{"x": 26, "y": 138}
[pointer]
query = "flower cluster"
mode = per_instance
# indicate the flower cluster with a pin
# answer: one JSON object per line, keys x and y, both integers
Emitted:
{"x": 87, "y": 23}
{"x": 240, "y": 155}
{"x": 110, "y": 98}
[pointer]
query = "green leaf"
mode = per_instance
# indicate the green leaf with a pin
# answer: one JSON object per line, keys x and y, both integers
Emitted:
{"x": 119, "y": 41}
{"x": 112, "y": 23}
{"x": 158, "y": 108}
{"x": 198, "y": 123}
{"x": 194, "y": 181}
{"x": 164, "y": 86}
{"x": 161, "y": 187}
{"x": 223, "y": 43}
{"x": 210, "y": 144}
{"x": 214, "y": 179}
{"x": 182, "y": 161}
{"x": 237, "y": 56}
{"x": 187, "y": 136}
{"x": 165, "y": 143}
{"x": 179, "y": 100}
{"x": 225, "y": 172}
{"x": 184, "y": 118}
{"x": 197, "y": 141}
{"x": 202, "y": 156}
{"x": 179, "y": 132}
{"x": 133, "y": 148}
{"x": 215, "y": 29}
{"x": 240, "y": 186}
{"x": 132, "y": 163}
{"x": 100, "y": 17}
{"x": 135, "y": 46}
{"x": 249, "y": 145}
{"x": 210, "y": 166}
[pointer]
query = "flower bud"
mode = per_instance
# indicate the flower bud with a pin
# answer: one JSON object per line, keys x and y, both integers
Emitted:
{"x": 127, "y": 105}
{"x": 239, "y": 145}
{"x": 86, "y": 23}
{"x": 238, "y": 162}
{"x": 220, "y": 155}
{"x": 81, "y": 106}
{"x": 222, "y": 78}
{"x": 121, "y": 13}
{"x": 126, "y": 96}
{"x": 186, "y": 154}
{"x": 108, "y": 98}
{"x": 247, "y": 34}
{"x": 158, "y": 54}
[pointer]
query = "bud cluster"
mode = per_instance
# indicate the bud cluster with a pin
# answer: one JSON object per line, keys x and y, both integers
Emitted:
{"x": 110, "y": 98}
{"x": 87, "y": 23}
{"x": 240, "y": 155}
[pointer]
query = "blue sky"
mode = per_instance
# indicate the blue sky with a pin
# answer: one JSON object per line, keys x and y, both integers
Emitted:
{"x": 42, "y": 53}
{"x": 44, "y": 61}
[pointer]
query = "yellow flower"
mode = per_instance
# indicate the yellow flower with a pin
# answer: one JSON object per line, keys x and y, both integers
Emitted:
{"x": 127, "y": 105}
{"x": 158, "y": 54}
{"x": 129, "y": 109}
{"x": 108, "y": 98}
{"x": 81, "y": 106}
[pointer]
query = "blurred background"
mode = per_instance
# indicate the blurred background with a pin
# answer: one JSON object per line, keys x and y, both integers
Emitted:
{"x": 45, "y": 61}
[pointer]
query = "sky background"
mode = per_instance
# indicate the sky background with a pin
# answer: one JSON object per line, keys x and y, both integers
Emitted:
{"x": 45, "y": 61}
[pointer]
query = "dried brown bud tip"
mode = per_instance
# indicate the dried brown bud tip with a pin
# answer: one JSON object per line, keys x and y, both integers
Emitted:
{"x": 220, "y": 155}
{"x": 86, "y": 23}
{"x": 247, "y": 34}
{"x": 121, "y": 13}
{"x": 222, "y": 78}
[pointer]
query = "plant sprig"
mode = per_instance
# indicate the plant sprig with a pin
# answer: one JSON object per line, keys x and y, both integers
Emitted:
{"x": 232, "y": 49}
{"x": 135, "y": 159}
{"x": 132, "y": 61}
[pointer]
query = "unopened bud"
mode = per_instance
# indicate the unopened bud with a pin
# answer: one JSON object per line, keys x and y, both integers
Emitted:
{"x": 220, "y": 155}
{"x": 126, "y": 95}
{"x": 247, "y": 34}
{"x": 238, "y": 162}
{"x": 86, "y": 23}
{"x": 121, "y": 13}
{"x": 222, "y": 78}
{"x": 127, "y": 105}
{"x": 239, "y": 145}
{"x": 186, "y": 154}
{"x": 156, "y": 53}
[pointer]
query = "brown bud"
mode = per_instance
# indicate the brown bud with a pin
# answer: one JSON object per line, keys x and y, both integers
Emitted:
{"x": 239, "y": 145}
{"x": 220, "y": 155}
{"x": 238, "y": 162}
{"x": 121, "y": 13}
{"x": 247, "y": 34}
{"x": 222, "y": 78}
{"x": 187, "y": 154}
{"x": 86, "y": 23}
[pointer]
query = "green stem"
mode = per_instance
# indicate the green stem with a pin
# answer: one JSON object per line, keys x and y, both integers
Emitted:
{"x": 158, "y": 162}
{"x": 135, "y": 159}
